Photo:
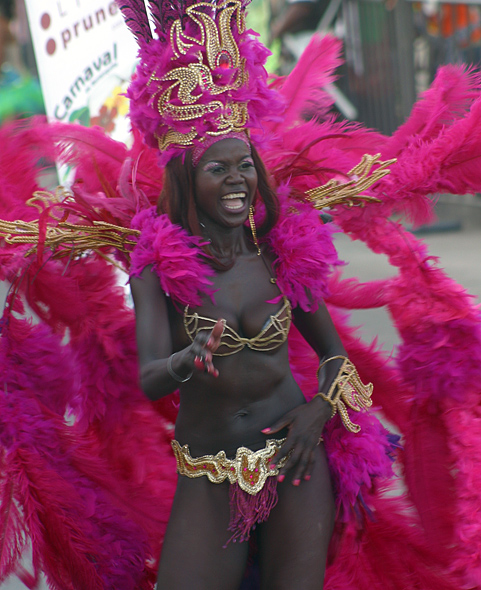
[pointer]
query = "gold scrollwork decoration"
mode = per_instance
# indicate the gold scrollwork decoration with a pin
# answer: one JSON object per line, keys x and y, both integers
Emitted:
{"x": 350, "y": 193}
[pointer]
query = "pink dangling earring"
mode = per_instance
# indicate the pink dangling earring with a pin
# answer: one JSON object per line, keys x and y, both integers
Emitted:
{"x": 253, "y": 229}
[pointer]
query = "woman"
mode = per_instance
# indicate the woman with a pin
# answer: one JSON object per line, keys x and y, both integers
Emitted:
{"x": 242, "y": 397}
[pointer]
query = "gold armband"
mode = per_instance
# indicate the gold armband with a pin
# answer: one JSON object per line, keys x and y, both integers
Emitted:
{"x": 347, "y": 389}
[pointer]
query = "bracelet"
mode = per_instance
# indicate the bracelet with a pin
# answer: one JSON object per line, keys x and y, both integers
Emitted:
{"x": 332, "y": 358}
{"x": 347, "y": 389}
{"x": 173, "y": 374}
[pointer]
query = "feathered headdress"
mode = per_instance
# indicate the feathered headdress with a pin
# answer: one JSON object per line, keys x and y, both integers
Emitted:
{"x": 201, "y": 75}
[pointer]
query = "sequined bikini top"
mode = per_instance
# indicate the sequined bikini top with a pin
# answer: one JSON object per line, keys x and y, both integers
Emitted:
{"x": 273, "y": 334}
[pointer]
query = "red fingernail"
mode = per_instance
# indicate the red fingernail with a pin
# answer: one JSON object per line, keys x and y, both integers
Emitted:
{"x": 266, "y": 430}
{"x": 272, "y": 466}
{"x": 296, "y": 482}
{"x": 281, "y": 478}
{"x": 307, "y": 477}
{"x": 198, "y": 363}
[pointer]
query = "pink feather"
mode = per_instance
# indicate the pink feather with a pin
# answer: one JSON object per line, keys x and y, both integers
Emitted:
{"x": 428, "y": 471}
{"x": 304, "y": 88}
{"x": 12, "y": 532}
{"x": 447, "y": 100}
{"x": 66, "y": 512}
{"x": 302, "y": 242}
{"x": 390, "y": 554}
{"x": 135, "y": 16}
{"x": 166, "y": 247}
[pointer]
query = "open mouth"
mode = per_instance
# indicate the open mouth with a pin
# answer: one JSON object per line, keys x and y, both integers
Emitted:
{"x": 234, "y": 201}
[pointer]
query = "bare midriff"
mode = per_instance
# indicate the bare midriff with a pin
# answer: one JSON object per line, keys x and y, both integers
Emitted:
{"x": 232, "y": 410}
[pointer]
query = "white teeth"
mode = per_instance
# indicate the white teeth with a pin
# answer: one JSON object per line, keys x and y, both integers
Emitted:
{"x": 235, "y": 205}
{"x": 234, "y": 201}
{"x": 234, "y": 196}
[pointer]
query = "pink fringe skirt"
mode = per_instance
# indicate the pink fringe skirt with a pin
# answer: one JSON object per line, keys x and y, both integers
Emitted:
{"x": 253, "y": 490}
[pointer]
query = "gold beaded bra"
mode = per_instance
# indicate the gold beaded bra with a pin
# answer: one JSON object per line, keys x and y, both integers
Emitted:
{"x": 273, "y": 334}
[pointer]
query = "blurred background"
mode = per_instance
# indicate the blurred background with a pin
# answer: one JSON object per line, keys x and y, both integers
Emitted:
{"x": 392, "y": 48}
{"x": 20, "y": 92}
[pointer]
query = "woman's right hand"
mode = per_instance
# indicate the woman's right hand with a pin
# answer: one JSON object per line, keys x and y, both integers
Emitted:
{"x": 161, "y": 371}
{"x": 203, "y": 347}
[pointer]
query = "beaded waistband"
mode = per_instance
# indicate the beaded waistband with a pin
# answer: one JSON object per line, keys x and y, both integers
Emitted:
{"x": 249, "y": 469}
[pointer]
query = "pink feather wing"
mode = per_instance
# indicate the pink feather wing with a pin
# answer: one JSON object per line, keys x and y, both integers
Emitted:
{"x": 306, "y": 83}
{"x": 428, "y": 472}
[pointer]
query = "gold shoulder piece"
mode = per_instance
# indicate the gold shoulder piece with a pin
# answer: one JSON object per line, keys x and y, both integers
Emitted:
{"x": 62, "y": 237}
{"x": 349, "y": 193}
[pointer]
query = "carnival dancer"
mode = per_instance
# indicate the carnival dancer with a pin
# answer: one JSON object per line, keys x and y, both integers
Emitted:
{"x": 248, "y": 447}
{"x": 243, "y": 422}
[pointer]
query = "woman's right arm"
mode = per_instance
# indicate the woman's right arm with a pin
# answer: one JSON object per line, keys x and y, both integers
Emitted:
{"x": 154, "y": 340}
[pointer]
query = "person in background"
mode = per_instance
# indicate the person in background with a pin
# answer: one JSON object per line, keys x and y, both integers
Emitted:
{"x": 291, "y": 25}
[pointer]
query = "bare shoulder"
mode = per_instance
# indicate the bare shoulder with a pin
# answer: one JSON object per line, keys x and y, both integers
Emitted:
{"x": 146, "y": 286}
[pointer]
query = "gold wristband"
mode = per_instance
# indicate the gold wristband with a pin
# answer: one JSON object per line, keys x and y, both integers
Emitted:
{"x": 329, "y": 401}
{"x": 347, "y": 389}
{"x": 332, "y": 358}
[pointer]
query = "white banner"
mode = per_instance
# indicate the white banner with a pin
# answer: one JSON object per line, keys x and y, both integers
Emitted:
{"x": 85, "y": 57}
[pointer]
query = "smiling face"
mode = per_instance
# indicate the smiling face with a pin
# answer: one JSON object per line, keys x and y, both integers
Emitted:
{"x": 225, "y": 183}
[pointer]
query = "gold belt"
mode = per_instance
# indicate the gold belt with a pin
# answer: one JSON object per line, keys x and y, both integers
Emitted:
{"x": 249, "y": 469}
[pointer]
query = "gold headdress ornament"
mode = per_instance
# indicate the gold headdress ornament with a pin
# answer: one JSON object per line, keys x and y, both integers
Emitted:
{"x": 221, "y": 51}
{"x": 202, "y": 77}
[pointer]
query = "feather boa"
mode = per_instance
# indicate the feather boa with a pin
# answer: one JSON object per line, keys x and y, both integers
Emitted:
{"x": 305, "y": 256}
{"x": 174, "y": 256}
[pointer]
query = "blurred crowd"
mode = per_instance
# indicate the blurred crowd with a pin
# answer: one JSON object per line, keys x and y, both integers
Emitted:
{"x": 392, "y": 48}
{"x": 20, "y": 92}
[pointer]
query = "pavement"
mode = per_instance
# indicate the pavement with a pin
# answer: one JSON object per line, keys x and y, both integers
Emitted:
{"x": 455, "y": 238}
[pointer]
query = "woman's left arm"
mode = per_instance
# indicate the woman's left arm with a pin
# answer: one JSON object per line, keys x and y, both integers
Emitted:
{"x": 306, "y": 422}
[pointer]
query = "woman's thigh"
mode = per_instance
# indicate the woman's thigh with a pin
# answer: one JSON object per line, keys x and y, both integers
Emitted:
{"x": 194, "y": 556}
{"x": 293, "y": 543}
